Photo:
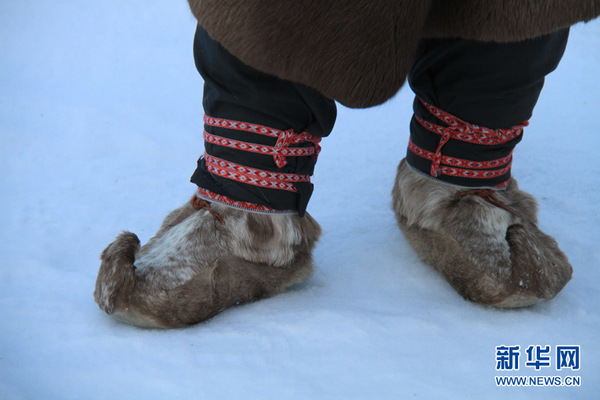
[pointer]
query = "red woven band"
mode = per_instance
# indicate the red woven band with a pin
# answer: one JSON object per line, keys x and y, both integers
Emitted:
{"x": 280, "y": 151}
{"x": 458, "y": 129}
{"x": 458, "y": 162}
{"x": 253, "y": 176}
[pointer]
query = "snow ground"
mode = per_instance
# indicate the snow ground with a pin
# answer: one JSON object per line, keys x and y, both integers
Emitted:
{"x": 100, "y": 120}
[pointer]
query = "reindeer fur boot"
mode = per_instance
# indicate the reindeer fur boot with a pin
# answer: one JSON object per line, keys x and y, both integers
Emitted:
{"x": 484, "y": 242}
{"x": 203, "y": 259}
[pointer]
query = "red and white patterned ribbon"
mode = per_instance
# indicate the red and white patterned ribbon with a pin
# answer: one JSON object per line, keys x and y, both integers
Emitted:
{"x": 280, "y": 151}
{"x": 460, "y": 130}
{"x": 253, "y": 176}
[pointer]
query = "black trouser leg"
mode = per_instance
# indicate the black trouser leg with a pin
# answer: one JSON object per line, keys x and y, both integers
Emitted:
{"x": 487, "y": 84}
{"x": 234, "y": 91}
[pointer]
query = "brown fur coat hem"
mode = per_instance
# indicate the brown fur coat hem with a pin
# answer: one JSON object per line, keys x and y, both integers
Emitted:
{"x": 359, "y": 52}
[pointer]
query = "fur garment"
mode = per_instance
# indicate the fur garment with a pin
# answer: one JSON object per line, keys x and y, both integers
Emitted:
{"x": 359, "y": 52}
{"x": 488, "y": 254}
{"x": 196, "y": 266}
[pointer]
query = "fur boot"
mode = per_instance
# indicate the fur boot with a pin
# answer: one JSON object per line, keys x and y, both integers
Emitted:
{"x": 491, "y": 251}
{"x": 203, "y": 259}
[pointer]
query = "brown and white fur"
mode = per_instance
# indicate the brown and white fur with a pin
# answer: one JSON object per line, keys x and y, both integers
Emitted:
{"x": 489, "y": 255}
{"x": 195, "y": 266}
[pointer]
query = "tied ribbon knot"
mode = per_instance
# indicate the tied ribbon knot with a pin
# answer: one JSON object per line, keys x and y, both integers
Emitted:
{"x": 280, "y": 151}
{"x": 287, "y": 138}
{"x": 463, "y": 131}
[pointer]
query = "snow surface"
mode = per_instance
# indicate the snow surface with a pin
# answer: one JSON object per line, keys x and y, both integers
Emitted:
{"x": 100, "y": 118}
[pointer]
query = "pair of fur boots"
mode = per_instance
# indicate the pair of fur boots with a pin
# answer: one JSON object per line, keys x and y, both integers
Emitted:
{"x": 207, "y": 257}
